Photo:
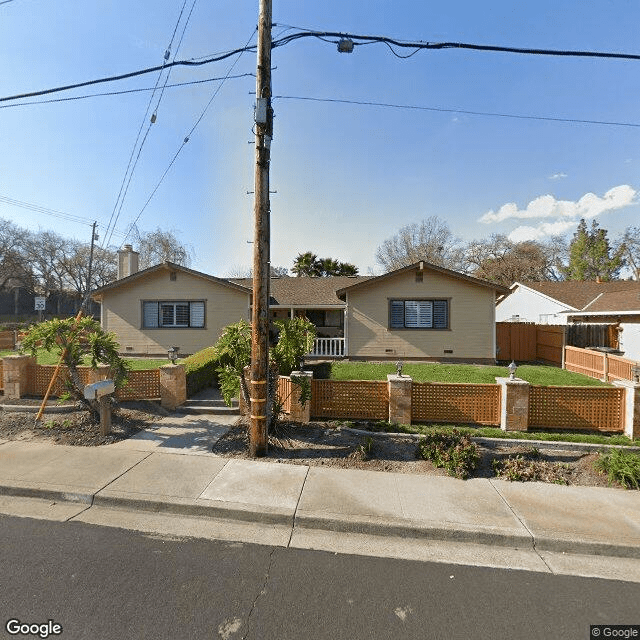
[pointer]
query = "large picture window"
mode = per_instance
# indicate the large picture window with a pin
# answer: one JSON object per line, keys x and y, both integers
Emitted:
{"x": 419, "y": 314}
{"x": 173, "y": 314}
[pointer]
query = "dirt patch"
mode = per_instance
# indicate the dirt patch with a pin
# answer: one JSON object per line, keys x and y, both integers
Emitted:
{"x": 331, "y": 445}
{"x": 74, "y": 426}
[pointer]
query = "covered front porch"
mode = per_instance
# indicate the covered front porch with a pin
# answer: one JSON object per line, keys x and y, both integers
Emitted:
{"x": 331, "y": 341}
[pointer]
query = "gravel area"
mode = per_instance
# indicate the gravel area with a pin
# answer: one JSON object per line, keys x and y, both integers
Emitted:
{"x": 73, "y": 426}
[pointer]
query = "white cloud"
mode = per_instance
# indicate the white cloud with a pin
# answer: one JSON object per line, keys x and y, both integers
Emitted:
{"x": 589, "y": 206}
{"x": 522, "y": 233}
{"x": 558, "y": 176}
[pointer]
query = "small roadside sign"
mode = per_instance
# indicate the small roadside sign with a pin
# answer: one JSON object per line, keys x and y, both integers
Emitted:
{"x": 41, "y": 303}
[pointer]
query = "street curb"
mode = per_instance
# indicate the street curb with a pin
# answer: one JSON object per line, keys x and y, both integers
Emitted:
{"x": 382, "y": 527}
{"x": 46, "y": 494}
{"x": 210, "y": 508}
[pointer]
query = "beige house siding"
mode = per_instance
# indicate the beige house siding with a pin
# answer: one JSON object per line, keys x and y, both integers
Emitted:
{"x": 471, "y": 333}
{"x": 122, "y": 312}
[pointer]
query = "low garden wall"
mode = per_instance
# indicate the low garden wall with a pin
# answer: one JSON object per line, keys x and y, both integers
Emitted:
{"x": 509, "y": 404}
{"x": 21, "y": 376}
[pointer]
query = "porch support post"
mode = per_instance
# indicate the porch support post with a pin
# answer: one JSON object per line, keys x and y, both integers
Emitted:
{"x": 631, "y": 407}
{"x": 514, "y": 404}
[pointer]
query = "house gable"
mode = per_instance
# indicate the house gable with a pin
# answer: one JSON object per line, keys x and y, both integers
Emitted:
{"x": 469, "y": 333}
{"x": 123, "y": 306}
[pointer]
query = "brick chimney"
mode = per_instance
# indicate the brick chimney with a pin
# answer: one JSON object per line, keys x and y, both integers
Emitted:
{"x": 127, "y": 261}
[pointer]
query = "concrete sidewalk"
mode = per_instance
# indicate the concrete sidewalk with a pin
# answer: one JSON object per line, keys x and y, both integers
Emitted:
{"x": 167, "y": 471}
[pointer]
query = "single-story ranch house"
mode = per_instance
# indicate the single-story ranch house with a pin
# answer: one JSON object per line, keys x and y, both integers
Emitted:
{"x": 420, "y": 312}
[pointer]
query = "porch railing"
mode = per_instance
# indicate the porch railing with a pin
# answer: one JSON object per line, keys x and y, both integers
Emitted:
{"x": 328, "y": 347}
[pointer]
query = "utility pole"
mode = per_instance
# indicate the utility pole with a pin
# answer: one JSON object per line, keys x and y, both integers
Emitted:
{"x": 261, "y": 252}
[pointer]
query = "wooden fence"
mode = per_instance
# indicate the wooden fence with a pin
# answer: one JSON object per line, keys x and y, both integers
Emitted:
{"x": 577, "y": 408}
{"x": 361, "y": 399}
{"x": 141, "y": 385}
{"x": 592, "y": 408}
{"x": 598, "y": 364}
{"x": 456, "y": 403}
{"x": 528, "y": 342}
{"x": 7, "y": 340}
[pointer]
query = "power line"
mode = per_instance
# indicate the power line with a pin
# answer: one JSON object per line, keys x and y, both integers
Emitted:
{"x": 461, "y": 111}
{"x": 358, "y": 40}
{"x": 187, "y": 137}
{"x": 50, "y": 212}
{"x": 125, "y": 91}
{"x": 131, "y": 167}
{"x": 131, "y": 74}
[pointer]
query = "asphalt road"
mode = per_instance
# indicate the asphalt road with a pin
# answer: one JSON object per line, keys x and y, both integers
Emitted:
{"x": 103, "y": 583}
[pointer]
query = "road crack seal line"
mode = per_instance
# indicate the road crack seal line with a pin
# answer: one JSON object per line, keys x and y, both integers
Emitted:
{"x": 261, "y": 592}
{"x": 517, "y": 517}
{"x": 295, "y": 511}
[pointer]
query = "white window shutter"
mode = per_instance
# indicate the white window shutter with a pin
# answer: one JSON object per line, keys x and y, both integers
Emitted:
{"x": 197, "y": 314}
{"x": 150, "y": 315}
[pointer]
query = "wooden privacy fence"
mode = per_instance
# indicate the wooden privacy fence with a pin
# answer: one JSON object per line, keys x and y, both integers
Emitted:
{"x": 457, "y": 403}
{"x": 526, "y": 342}
{"x": 592, "y": 408}
{"x": 141, "y": 385}
{"x": 362, "y": 399}
{"x": 598, "y": 364}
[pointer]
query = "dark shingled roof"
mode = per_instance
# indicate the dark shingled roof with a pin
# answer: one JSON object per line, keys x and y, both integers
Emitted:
{"x": 616, "y": 301}
{"x": 579, "y": 294}
{"x": 306, "y": 291}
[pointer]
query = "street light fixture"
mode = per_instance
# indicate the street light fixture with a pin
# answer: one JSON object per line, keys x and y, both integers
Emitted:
{"x": 512, "y": 370}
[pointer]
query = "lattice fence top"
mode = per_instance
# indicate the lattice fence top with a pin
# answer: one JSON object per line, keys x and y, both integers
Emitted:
{"x": 593, "y": 408}
{"x": 141, "y": 385}
{"x": 455, "y": 403}
{"x": 361, "y": 399}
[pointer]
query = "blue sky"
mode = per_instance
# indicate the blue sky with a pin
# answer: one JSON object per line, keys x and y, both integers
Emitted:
{"x": 347, "y": 176}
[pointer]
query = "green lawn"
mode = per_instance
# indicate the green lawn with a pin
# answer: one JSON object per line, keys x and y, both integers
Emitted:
{"x": 428, "y": 372}
{"x": 494, "y": 432}
{"x": 136, "y": 364}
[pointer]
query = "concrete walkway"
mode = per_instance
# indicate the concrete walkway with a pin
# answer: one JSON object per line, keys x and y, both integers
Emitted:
{"x": 165, "y": 480}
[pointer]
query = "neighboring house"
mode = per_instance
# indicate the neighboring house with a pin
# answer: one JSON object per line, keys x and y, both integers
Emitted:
{"x": 571, "y": 301}
{"x": 418, "y": 312}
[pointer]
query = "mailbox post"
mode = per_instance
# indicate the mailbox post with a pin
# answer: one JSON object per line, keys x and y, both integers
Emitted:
{"x": 101, "y": 391}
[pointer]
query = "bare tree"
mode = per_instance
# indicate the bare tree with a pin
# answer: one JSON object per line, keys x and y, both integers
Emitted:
{"x": 160, "y": 246}
{"x": 504, "y": 262}
{"x": 430, "y": 240}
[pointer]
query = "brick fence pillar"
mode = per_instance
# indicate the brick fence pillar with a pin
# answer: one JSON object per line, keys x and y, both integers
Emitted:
{"x": 15, "y": 374}
{"x": 631, "y": 407}
{"x": 399, "y": 398}
{"x": 514, "y": 408}
{"x": 173, "y": 385}
{"x": 298, "y": 412}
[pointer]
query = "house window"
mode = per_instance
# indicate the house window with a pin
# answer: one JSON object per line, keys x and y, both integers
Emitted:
{"x": 173, "y": 314}
{"x": 419, "y": 314}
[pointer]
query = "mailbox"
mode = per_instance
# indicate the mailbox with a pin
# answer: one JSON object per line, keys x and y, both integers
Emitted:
{"x": 99, "y": 389}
